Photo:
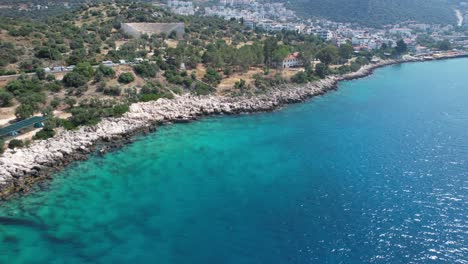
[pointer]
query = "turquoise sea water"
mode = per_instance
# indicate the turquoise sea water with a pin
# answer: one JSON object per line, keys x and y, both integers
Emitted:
{"x": 375, "y": 172}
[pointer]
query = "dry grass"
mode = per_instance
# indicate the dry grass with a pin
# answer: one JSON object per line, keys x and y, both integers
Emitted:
{"x": 171, "y": 43}
{"x": 248, "y": 43}
{"x": 200, "y": 71}
{"x": 119, "y": 43}
{"x": 228, "y": 83}
{"x": 7, "y": 114}
{"x": 290, "y": 72}
{"x": 227, "y": 40}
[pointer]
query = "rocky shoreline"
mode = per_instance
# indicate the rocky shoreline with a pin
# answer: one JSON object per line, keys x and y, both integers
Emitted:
{"x": 20, "y": 169}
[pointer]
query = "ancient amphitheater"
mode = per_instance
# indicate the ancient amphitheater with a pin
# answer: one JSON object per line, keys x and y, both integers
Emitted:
{"x": 138, "y": 29}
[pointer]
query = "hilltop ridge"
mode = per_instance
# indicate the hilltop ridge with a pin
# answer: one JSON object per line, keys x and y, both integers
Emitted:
{"x": 377, "y": 12}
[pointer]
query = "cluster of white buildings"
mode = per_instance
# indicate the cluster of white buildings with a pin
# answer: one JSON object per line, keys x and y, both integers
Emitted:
{"x": 275, "y": 17}
{"x": 181, "y": 7}
{"x": 250, "y": 10}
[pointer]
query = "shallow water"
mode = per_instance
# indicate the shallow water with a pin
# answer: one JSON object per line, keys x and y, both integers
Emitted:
{"x": 375, "y": 172}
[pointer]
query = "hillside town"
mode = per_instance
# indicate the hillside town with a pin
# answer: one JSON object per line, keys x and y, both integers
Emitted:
{"x": 273, "y": 17}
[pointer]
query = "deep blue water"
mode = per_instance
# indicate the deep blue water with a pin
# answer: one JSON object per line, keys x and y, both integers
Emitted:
{"x": 375, "y": 172}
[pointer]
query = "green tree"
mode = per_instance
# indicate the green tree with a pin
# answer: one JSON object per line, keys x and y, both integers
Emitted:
{"x": 5, "y": 98}
{"x": 126, "y": 77}
{"x": 40, "y": 73}
{"x": 106, "y": 71}
{"x": 24, "y": 111}
{"x": 444, "y": 45}
{"x": 212, "y": 77}
{"x": 213, "y": 57}
{"x": 146, "y": 69}
{"x": 269, "y": 46}
{"x": 307, "y": 52}
{"x": 54, "y": 86}
{"x": 245, "y": 57}
{"x": 279, "y": 54}
{"x": 346, "y": 51}
{"x": 401, "y": 47}
{"x": 48, "y": 53}
{"x": 321, "y": 70}
{"x": 74, "y": 79}
{"x": 85, "y": 69}
{"x": 328, "y": 55}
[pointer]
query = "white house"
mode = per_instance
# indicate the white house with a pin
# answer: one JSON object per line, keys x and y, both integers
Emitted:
{"x": 325, "y": 34}
{"x": 292, "y": 60}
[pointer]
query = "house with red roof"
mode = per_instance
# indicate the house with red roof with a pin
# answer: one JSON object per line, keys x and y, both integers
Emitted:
{"x": 292, "y": 60}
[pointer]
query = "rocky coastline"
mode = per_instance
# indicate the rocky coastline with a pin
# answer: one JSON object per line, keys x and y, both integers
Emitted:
{"x": 20, "y": 169}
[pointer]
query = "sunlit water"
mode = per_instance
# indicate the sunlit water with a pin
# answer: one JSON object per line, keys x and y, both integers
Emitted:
{"x": 375, "y": 172}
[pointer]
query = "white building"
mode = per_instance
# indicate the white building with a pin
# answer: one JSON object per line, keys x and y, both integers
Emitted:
{"x": 292, "y": 60}
{"x": 325, "y": 34}
{"x": 400, "y": 31}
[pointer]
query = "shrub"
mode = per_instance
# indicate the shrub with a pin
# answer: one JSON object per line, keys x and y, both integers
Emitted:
{"x": 98, "y": 77}
{"x": 15, "y": 143}
{"x": 300, "y": 77}
{"x": 55, "y": 86}
{"x": 74, "y": 79}
{"x": 48, "y": 53}
{"x": 106, "y": 71}
{"x": 40, "y": 73}
{"x": 203, "y": 89}
{"x": 5, "y": 98}
{"x": 67, "y": 124}
{"x": 55, "y": 102}
{"x": 355, "y": 66}
{"x": 23, "y": 85}
{"x": 240, "y": 85}
{"x": 126, "y": 77}
{"x": 85, "y": 69}
{"x": 120, "y": 109}
{"x": 50, "y": 77}
{"x": 91, "y": 112}
{"x": 174, "y": 77}
{"x": 70, "y": 102}
{"x": 149, "y": 97}
{"x": 212, "y": 77}
{"x": 44, "y": 134}
{"x": 24, "y": 111}
{"x": 321, "y": 70}
{"x": 344, "y": 69}
{"x": 146, "y": 70}
{"x": 2, "y": 144}
{"x": 114, "y": 91}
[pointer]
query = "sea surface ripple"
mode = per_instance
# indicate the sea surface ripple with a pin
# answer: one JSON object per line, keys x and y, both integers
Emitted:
{"x": 375, "y": 172}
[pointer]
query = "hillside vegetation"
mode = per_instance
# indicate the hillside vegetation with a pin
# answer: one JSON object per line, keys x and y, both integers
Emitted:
{"x": 377, "y": 12}
{"x": 107, "y": 69}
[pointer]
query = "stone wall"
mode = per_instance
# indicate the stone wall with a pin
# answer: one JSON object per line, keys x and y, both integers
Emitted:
{"x": 137, "y": 29}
